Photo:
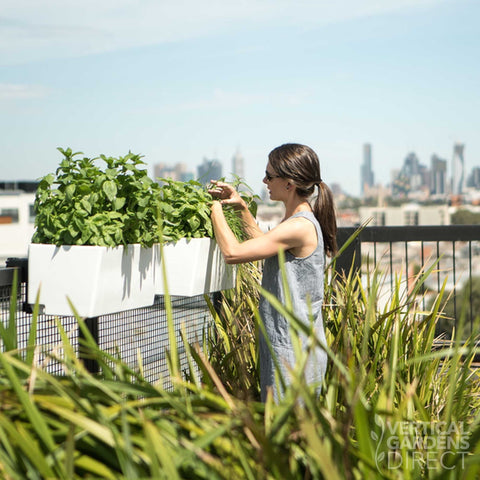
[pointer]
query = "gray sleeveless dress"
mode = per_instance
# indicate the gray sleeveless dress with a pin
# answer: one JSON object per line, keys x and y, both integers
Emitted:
{"x": 305, "y": 278}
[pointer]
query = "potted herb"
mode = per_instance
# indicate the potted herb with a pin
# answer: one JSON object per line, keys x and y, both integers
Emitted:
{"x": 192, "y": 259}
{"x": 103, "y": 236}
{"x": 94, "y": 237}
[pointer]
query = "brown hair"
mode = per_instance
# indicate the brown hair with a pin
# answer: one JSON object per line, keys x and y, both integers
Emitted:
{"x": 300, "y": 164}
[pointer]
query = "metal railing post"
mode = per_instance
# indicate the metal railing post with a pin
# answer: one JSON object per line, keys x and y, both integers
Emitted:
{"x": 21, "y": 264}
{"x": 351, "y": 257}
{"x": 84, "y": 352}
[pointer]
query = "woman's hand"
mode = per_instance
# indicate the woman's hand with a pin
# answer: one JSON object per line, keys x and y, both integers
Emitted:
{"x": 226, "y": 194}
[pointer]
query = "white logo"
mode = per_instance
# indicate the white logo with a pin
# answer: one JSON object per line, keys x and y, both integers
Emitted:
{"x": 420, "y": 445}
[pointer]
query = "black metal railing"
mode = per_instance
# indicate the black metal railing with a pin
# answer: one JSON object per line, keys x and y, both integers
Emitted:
{"x": 140, "y": 333}
{"x": 143, "y": 333}
{"x": 453, "y": 251}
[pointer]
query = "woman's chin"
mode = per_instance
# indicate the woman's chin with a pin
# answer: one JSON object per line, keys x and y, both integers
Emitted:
{"x": 271, "y": 197}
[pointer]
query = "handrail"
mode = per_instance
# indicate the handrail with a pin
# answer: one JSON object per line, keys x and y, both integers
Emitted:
{"x": 7, "y": 276}
{"x": 426, "y": 233}
{"x": 423, "y": 233}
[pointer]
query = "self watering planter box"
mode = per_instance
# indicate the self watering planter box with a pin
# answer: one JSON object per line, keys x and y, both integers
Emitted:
{"x": 103, "y": 280}
{"x": 193, "y": 267}
{"x": 97, "y": 280}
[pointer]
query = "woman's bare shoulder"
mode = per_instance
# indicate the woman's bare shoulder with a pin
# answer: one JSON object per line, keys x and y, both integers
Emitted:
{"x": 296, "y": 227}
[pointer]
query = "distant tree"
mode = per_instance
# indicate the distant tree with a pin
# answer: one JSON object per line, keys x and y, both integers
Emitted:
{"x": 437, "y": 201}
{"x": 349, "y": 202}
{"x": 465, "y": 217}
{"x": 396, "y": 201}
{"x": 370, "y": 201}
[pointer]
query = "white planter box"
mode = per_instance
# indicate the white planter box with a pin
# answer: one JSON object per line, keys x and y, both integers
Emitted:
{"x": 97, "y": 280}
{"x": 193, "y": 266}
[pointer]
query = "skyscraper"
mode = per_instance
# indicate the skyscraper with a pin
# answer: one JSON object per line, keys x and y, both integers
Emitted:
{"x": 238, "y": 165}
{"x": 175, "y": 172}
{"x": 458, "y": 169}
{"x": 366, "y": 172}
{"x": 209, "y": 169}
{"x": 474, "y": 178}
{"x": 438, "y": 185}
{"x": 412, "y": 178}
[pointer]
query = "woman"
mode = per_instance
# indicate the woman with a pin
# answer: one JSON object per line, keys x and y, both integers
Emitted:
{"x": 306, "y": 233}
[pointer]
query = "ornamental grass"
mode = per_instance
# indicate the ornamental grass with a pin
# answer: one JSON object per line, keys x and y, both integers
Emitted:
{"x": 393, "y": 405}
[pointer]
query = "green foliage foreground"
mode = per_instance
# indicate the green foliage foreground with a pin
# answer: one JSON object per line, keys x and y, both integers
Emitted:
{"x": 391, "y": 406}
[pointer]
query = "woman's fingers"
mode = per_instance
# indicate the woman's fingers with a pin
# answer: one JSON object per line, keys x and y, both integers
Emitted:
{"x": 221, "y": 189}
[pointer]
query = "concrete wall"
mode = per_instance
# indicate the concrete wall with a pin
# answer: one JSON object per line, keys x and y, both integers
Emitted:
{"x": 408, "y": 214}
{"x": 15, "y": 236}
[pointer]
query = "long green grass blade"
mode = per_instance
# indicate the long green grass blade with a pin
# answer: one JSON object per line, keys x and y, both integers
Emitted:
{"x": 35, "y": 417}
{"x": 32, "y": 334}
{"x": 8, "y": 333}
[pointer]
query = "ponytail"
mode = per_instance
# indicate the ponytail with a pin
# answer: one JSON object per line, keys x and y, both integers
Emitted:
{"x": 324, "y": 211}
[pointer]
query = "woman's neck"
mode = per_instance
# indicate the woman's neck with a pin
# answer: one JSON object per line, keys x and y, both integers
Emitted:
{"x": 295, "y": 206}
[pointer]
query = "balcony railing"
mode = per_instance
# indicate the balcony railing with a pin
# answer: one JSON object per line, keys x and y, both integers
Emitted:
{"x": 132, "y": 334}
{"x": 396, "y": 251}
{"x": 453, "y": 251}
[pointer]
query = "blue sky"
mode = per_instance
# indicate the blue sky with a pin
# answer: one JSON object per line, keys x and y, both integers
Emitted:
{"x": 180, "y": 80}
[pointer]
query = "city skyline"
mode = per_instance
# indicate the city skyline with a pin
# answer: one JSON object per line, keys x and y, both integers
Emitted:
{"x": 443, "y": 177}
{"x": 177, "y": 82}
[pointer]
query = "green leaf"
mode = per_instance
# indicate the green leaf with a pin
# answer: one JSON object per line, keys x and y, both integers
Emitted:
{"x": 111, "y": 173}
{"x": 143, "y": 201}
{"x": 70, "y": 191}
{"x": 110, "y": 189}
{"x": 118, "y": 203}
{"x": 86, "y": 205}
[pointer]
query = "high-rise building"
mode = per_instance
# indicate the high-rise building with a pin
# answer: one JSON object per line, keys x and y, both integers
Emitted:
{"x": 438, "y": 179}
{"x": 474, "y": 178}
{"x": 210, "y": 169}
{"x": 415, "y": 172}
{"x": 413, "y": 177}
{"x": 458, "y": 169}
{"x": 175, "y": 172}
{"x": 238, "y": 165}
{"x": 366, "y": 173}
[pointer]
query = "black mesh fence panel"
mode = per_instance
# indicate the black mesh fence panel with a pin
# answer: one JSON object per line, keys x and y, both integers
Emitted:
{"x": 139, "y": 336}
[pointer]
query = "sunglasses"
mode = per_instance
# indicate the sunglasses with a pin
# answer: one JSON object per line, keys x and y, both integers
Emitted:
{"x": 270, "y": 177}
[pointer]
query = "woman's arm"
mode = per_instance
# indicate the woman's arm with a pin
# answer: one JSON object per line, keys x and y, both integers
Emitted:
{"x": 224, "y": 236}
{"x": 249, "y": 224}
{"x": 289, "y": 234}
